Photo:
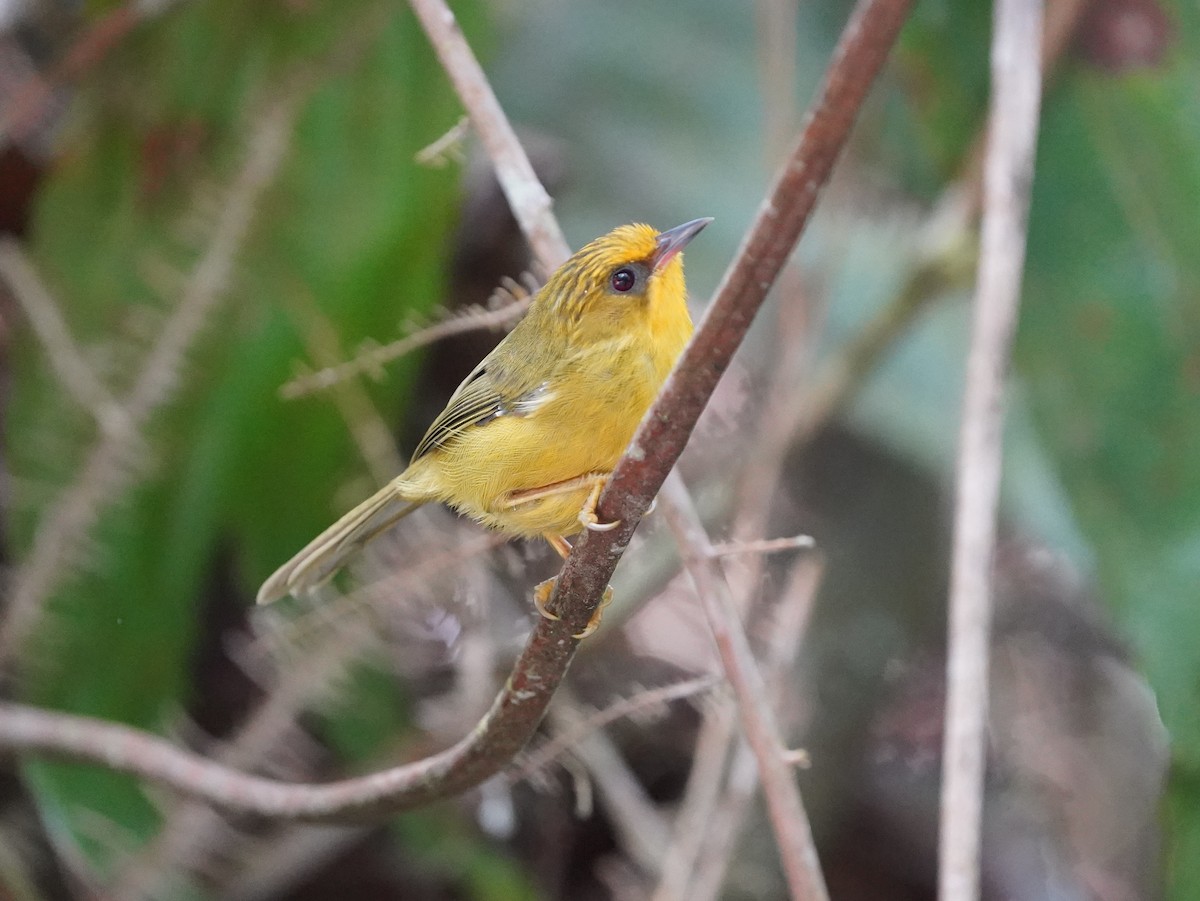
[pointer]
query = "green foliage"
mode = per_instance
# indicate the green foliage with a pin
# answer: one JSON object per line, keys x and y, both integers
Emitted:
{"x": 351, "y": 228}
{"x": 1107, "y": 351}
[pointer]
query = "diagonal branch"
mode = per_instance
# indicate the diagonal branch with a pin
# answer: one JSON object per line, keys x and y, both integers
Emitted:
{"x": 528, "y": 199}
{"x": 785, "y": 807}
{"x": 522, "y": 702}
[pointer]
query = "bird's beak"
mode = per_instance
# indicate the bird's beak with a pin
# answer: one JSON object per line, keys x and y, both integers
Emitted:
{"x": 673, "y": 240}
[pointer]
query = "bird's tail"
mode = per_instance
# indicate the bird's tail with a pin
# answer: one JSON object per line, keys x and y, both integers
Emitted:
{"x": 329, "y": 551}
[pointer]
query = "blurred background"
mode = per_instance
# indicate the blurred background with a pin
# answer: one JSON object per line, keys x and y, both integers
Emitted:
{"x": 205, "y": 204}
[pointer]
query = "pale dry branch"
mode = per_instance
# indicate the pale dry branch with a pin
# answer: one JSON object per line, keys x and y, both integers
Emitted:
{"x": 641, "y": 829}
{"x": 700, "y": 799}
{"x": 762, "y": 546}
{"x": 718, "y": 841}
{"x": 66, "y": 359}
{"x": 526, "y": 197}
{"x": 793, "y": 835}
{"x": 1008, "y": 178}
{"x": 648, "y": 700}
{"x": 371, "y": 361}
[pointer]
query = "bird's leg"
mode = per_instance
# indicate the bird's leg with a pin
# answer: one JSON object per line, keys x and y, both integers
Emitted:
{"x": 566, "y": 486}
{"x": 541, "y": 594}
{"x": 560, "y": 544}
{"x": 588, "y": 516}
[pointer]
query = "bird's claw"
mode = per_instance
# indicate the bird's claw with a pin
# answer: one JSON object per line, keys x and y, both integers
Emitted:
{"x": 592, "y": 523}
{"x": 594, "y": 622}
{"x": 541, "y": 597}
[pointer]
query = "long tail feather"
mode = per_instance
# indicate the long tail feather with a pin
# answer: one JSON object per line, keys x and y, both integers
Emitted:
{"x": 329, "y": 551}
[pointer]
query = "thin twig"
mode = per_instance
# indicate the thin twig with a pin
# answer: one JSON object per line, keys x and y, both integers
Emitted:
{"x": 372, "y": 361}
{"x": 649, "y": 699}
{"x": 62, "y": 352}
{"x": 363, "y": 421}
{"x": 1008, "y": 177}
{"x": 65, "y": 527}
{"x": 762, "y": 546}
{"x": 539, "y": 669}
{"x": 713, "y": 810}
{"x": 642, "y": 830}
{"x": 700, "y": 798}
{"x": 718, "y": 840}
{"x": 784, "y": 805}
{"x": 528, "y": 199}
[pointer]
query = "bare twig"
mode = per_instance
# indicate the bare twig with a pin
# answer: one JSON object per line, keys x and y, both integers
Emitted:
{"x": 528, "y": 199}
{"x": 642, "y": 830}
{"x": 784, "y": 805}
{"x": 372, "y": 361}
{"x": 762, "y": 546}
{"x": 105, "y": 471}
{"x": 1008, "y": 177}
{"x": 718, "y": 841}
{"x": 63, "y": 354}
{"x": 631, "y": 706}
{"x": 363, "y": 421}
{"x": 713, "y": 809}
{"x": 700, "y": 799}
{"x": 539, "y": 669}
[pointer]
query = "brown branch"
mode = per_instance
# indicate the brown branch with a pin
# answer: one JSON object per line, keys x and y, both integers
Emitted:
{"x": 664, "y": 431}
{"x": 521, "y": 703}
{"x": 1008, "y": 177}
{"x": 785, "y": 808}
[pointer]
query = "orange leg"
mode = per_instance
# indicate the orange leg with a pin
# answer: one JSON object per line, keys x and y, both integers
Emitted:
{"x": 587, "y": 516}
{"x": 560, "y": 544}
{"x": 543, "y": 591}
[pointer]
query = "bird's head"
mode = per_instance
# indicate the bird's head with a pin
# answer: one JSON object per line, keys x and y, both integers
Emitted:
{"x": 632, "y": 274}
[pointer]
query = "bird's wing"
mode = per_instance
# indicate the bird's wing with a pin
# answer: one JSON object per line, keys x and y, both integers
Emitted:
{"x": 491, "y": 390}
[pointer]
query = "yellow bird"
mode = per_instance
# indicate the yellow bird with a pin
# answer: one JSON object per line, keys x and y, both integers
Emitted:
{"x": 529, "y": 439}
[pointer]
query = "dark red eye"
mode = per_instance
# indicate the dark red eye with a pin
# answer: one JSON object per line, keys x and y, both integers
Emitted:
{"x": 623, "y": 280}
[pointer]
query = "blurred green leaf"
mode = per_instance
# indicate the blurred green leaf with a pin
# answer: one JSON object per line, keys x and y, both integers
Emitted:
{"x": 1110, "y": 343}
{"x": 352, "y": 228}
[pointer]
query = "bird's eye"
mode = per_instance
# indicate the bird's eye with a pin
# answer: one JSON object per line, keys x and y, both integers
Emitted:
{"x": 623, "y": 280}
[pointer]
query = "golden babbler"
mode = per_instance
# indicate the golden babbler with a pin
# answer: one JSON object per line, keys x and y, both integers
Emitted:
{"x": 530, "y": 437}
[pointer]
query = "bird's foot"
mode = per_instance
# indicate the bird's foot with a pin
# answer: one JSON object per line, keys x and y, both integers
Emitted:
{"x": 541, "y": 597}
{"x": 587, "y": 516}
